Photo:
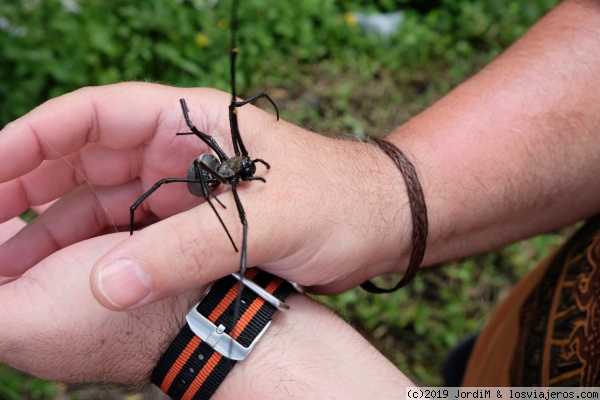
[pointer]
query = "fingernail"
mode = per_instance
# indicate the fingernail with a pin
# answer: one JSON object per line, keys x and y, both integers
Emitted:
{"x": 123, "y": 283}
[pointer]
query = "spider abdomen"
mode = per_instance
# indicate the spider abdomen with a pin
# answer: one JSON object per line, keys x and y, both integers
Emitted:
{"x": 195, "y": 188}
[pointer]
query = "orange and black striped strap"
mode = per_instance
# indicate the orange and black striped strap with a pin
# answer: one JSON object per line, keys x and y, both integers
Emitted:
{"x": 191, "y": 368}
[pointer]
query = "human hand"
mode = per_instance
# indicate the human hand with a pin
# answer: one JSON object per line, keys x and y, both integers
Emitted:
{"x": 329, "y": 215}
{"x": 53, "y": 328}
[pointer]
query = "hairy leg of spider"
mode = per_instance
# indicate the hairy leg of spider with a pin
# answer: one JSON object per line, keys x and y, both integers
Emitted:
{"x": 148, "y": 193}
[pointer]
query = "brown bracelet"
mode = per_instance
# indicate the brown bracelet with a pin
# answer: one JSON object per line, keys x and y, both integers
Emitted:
{"x": 418, "y": 210}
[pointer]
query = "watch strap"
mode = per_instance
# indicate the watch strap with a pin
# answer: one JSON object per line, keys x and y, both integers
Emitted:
{"x": 191, "y": 368}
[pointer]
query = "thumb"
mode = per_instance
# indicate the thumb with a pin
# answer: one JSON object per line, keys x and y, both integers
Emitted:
{"x": 172, "y": 256}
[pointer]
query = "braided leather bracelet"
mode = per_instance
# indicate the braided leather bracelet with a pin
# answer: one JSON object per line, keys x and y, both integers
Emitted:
{"x": 418, "y": 210}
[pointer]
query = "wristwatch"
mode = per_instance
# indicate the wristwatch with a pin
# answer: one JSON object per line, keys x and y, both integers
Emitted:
{"x": 206, "y": 348}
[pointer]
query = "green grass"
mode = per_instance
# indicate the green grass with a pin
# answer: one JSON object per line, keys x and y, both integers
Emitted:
{"x": 326, "y": 75}
{"x": 15, "y": 385}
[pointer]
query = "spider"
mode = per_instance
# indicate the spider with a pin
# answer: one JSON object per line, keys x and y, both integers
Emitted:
{"x": 207, "y": 172}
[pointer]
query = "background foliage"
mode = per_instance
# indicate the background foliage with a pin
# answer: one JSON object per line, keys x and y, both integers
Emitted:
{"x": 326, "y": 74}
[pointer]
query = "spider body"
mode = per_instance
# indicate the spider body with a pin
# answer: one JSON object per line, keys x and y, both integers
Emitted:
{"x": 195, "y": 185}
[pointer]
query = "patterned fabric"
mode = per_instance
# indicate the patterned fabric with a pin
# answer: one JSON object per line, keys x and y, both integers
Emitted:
{"x": 547, "y": 331}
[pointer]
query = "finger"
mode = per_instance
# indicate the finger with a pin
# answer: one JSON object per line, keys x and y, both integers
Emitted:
{"x": 41, "y": 208}
{"x": 55, "y": 178}
{"x": 80, "y": 215}
{"x": 118, "y": 116}
{"x": 9, "y": 228}
{"x": 177, "y": 254}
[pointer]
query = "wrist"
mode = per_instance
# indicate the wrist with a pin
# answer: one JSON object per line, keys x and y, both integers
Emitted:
{"x": 310, "y": 352}
{"x": 155, "y": 327}
{"x": 398, "y": 181}
{"x": 220, "y": 331}
{"x": 418, "y": 211}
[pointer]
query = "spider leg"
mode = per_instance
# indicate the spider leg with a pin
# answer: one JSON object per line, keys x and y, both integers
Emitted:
{"x": 238, "y": 144}
{"x": 209, "y": 140}
{"x": 148, "y": 193}
{"x": 256, "y": 178}
{"x": 206, "y": 193}
{"x": 210, "y": 192}
{"x": 202, "y": 183}
{"x": 242, "y": 271}
{"x": 263, "y": 162}
{"x": 256, "y": 97}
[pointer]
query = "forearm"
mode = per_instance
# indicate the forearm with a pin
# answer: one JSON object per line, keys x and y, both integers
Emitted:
{"x": 515, "y": 150}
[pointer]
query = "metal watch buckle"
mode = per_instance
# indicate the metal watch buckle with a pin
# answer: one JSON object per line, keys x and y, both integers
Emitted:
{"x": 216, "y": 337}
